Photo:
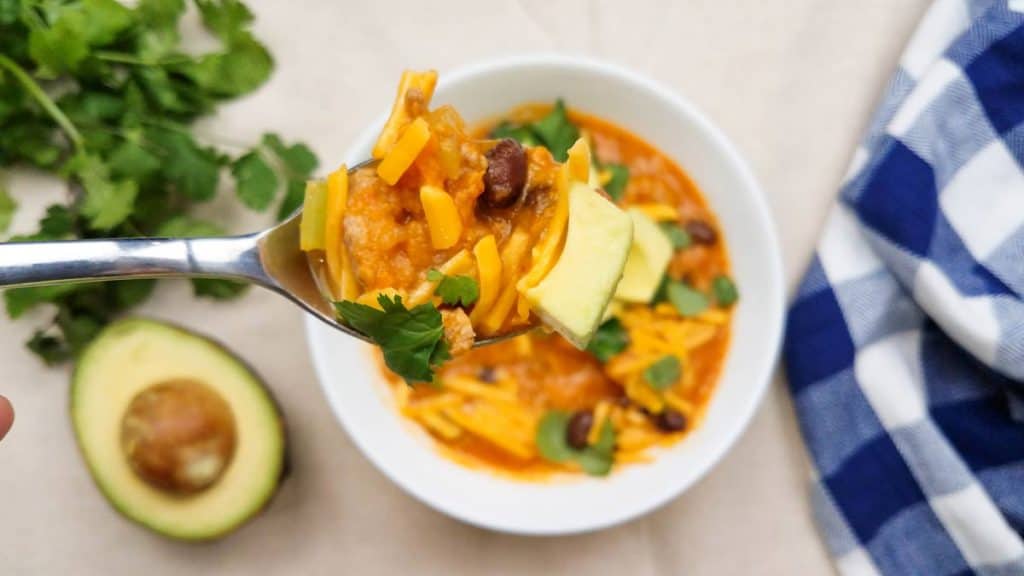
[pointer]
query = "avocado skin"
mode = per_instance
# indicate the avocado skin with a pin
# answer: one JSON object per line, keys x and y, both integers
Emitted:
{"x": 116, "y": 502}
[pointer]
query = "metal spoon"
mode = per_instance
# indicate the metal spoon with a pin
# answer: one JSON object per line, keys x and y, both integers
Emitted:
{"x": 271, "y": 259}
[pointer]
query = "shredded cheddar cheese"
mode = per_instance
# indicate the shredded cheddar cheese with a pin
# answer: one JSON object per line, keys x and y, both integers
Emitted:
{"x": 371, "y": 298}
{"x": 488, "y": 271}
{"x": 421, "y": 82}
{"x": 579, "y": 161}
{"x": 442, "y": 217}
{"x": 511, "y": 257}
{"x": 600, "y": 415}
{"x": 659, "y": 212}
{"x": 404, "y": 152}
{"x": 545, "y": 254}
{"x": 340, "y": 277}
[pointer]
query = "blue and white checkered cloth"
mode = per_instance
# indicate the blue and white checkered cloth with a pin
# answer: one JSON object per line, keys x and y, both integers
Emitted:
{"x": 905, "y": 345}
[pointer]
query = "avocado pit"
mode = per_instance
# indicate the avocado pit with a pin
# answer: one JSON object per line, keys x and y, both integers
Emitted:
{"x": 179, "y": 436}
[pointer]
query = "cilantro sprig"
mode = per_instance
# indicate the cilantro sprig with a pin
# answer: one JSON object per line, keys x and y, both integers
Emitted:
{"x": 412, "y": 340}
{"x": 104, "y": 95}
{"x": 553, "y": 444}
{"x": 554, "y": 131}
{"x": 663, "y": 373}
{"x": 688, "y": 301}
{"x": 454, "y": 290}
{"x": 616, "y": 187}
{"x": 610, "y": 339}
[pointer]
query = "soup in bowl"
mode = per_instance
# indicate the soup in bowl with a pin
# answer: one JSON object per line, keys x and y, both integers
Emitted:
{"x": 534, "y": 436}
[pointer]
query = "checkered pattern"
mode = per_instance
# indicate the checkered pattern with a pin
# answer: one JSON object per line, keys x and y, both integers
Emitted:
{"x": 905, "y": 346}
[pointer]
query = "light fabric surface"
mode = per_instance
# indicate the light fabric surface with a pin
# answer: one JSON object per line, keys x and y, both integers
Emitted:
{"x": 904, "y": 349}
{"x": 792, "y": 82}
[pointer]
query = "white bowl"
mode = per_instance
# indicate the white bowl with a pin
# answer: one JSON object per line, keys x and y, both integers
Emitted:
{"x": 406, "y": 454}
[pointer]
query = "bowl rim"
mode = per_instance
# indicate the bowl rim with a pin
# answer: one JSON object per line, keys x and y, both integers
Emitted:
{"x": 762, "y": 212}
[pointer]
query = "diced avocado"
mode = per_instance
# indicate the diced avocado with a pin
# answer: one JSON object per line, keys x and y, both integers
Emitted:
{"x": 648, "y": 258}
{"x": 178, "y": 433}
{"x": 573, "y": 296}
{"x": 314, "y": 216}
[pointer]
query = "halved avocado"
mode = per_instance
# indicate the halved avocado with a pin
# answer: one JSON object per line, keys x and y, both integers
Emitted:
{"x": 178, "y": 433}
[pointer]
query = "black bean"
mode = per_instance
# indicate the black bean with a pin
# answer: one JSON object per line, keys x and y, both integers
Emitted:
{"x": 578, "y": 429}
{"x": 505, "y": 177}
{"x": 701, "y": 232}
{"x": 670, "y": 421}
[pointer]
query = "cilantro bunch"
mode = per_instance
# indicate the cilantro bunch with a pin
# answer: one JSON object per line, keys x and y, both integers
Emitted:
{"x": 103, "y": 96}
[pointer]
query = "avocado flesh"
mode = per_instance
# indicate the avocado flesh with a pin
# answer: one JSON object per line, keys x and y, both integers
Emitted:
{"x": 131, "y": 356}
{"x": 573, "y": 296}
{"x": 649, "y": 257}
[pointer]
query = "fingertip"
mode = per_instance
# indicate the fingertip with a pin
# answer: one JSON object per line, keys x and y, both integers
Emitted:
{"x": 6, "y": 416}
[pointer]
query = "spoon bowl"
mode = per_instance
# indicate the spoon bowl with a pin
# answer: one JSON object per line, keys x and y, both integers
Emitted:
{"x": 271, "y": 259}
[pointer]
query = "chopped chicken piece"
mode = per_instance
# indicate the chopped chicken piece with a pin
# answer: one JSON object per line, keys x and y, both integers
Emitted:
{"x": 458, "y": 331}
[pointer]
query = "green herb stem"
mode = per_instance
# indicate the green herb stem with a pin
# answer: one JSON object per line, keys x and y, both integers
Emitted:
{"x": 37, "y": 92}
{"x": 123, "y": 58}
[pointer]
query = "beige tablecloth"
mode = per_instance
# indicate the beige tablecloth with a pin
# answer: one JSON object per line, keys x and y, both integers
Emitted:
{"x": 792, "y": 82}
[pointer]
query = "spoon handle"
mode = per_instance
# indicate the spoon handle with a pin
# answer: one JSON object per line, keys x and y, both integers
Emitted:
{"x": 33, "y": 263}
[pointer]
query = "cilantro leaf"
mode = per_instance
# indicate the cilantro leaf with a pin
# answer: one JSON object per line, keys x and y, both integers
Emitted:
{"x": 78, "y": 329}
{"x": 724, "y": 290}
{"x": 556, "y": 131}
{"x": 661, "y": 294}
{"x": 553, "y": 445}
{"x": 297, "y": 158}
{"x": 107, "y": 202}
{"x": 552, "y": 441}
{"x": 30, "y": 141}
{"x": 687, "y": 301}
{"x": 597, "y": 459}
{"x": 91, "y": 107}
{"x": 59, "y": 48}
{"x": 103, "y": 20}
{"x": 454, "y": 290}
{"x": 225, "y": 18}
{"x": 192, "y": 169}
{"x": 129, "y": 293}
{"x": 57, "y": 224}
{"x": 217, "y": 288}
{"x": 50, "y": 349}
{"x": 9, "y": 11}
{"x": 616, "y": 187}
{"x": 294, "y": 195}
{"x": 610, "y": 339}
{"x": 131, "y": 160}
{"x": 676, "y": 235}
{"x": 411, "y": 340}
{"x": 241, "y": 68}
{"x": 160, "y": 12}
{"x": 518, "y": 132}
{"x": 188, "y": 227}
{"x": 255, "y": 181}
{"x": 663, "y": 373}
{"x": 7, "y": 208}
{"x": 21, "y": 300}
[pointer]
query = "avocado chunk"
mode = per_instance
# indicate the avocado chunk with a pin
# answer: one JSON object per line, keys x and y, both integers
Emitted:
{"x": 179, "y": 435}
{"x": 573, "y": 296}
{"x": 648, "y": 259}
